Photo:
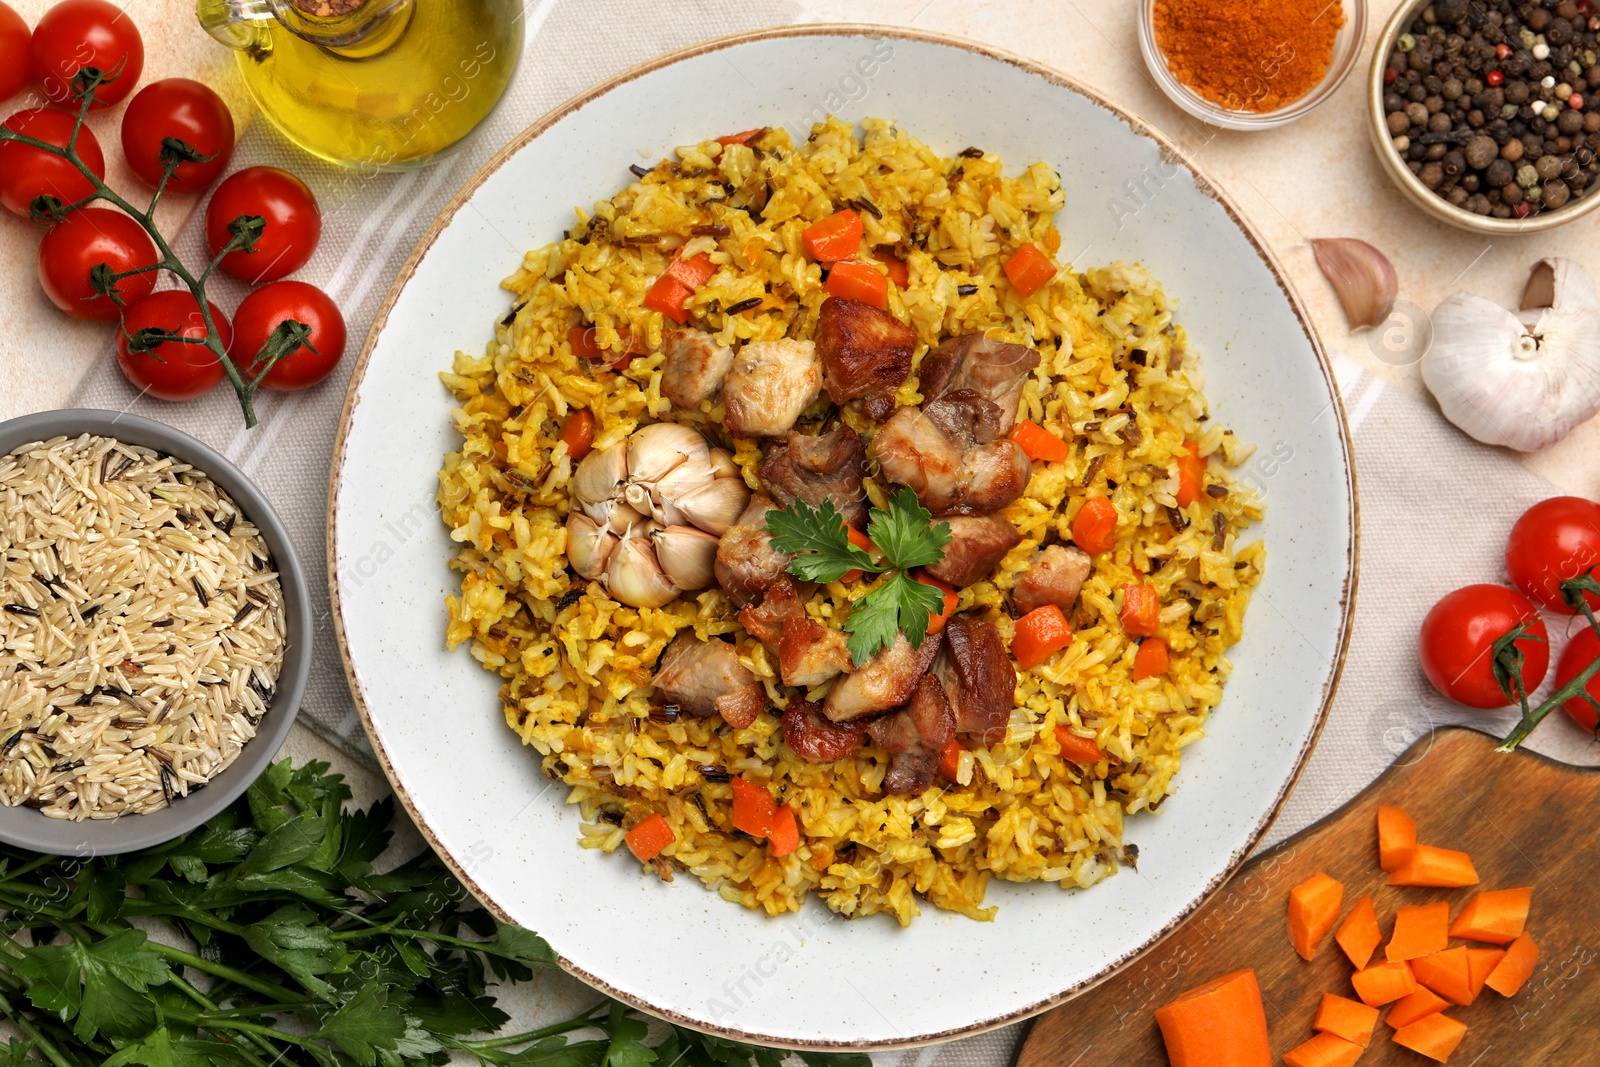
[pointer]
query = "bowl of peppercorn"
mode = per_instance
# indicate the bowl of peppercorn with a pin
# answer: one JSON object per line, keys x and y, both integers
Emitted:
{"x": 1486, "y": 113}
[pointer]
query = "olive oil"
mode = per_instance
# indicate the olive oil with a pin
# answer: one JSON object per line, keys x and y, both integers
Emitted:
{"x": 370, "y": 84}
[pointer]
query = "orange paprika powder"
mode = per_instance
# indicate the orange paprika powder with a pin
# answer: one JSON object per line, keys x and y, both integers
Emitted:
{"x": 1248, "y": 55}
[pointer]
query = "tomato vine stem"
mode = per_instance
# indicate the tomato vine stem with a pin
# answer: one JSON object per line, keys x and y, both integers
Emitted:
{"x": 1573, "y": 589}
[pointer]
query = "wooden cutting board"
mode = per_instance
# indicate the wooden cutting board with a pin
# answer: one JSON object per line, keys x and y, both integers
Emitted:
{"x": 1525, "y": 820}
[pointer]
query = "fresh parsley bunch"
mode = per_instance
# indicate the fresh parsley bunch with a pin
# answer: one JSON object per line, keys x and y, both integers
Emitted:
{"x": 906, "y": 535}
{"x": 303, "y": 954}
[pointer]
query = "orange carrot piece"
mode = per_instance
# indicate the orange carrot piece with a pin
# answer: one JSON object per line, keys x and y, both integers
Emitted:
{"x": 1359, "y": 934}
{"x": 1446, "y": 974}
{"x": 784, "y": 837}
{"x": 861, "y": 541}
{"x": 1141, "y": 609}
{"x": 1152, "y": 660}
{"x": 1029, "y": 269}
{"x": 742, "y": 137}
{"x": 1481, "y": 962}
{"x": 1323, "y": 1050}
{"x": 1397, "y": 836}
{"x": 1384, "y": 983}
{"x": 1419, "y": 930}
{"x": 855, "y": 279}
{"x": 1515, "y": 968}
{"x": 1078, "y": 749}
{"x": 1431, "y": 866}
{"x": 834, "y": 238}
{"x": 950, "y": 759}
{"x": 753, "y": 808}
{"x": 647, "y": 839}
{"x": 1191, "y": 474}
{"x": 1498, "y": 916}
{"x": 1435, "y": 1036}
{"x": 1039, "y": 443}
{"x": 577, "y": 432}
{"x": 1040, "y": 634}
{"x": 1314, "y": 907}
{"x": 1408, "y": 1009}
{"x": 899, "y": 273}
{"x": 1346, "y": 1018}
{"x": 951, "y": 599}
{"x": 1094, "y": 527}
{"x": 1220, "y": 1022}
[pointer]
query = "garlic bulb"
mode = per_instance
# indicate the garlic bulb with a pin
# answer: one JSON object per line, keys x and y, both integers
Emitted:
{"x": 648, "y": 512}
{"x": 1522, "y": 379}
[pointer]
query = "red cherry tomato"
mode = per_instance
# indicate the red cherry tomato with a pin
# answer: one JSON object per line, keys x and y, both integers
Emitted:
{"x": 263, "y": 310}
{"x": 189, "y": 111}
{"x": 14, "y": 40}
{"x": 1556, "y": 539}
{"x": 27, "y": 172}
{"x": 1456, "y": 645}
{"x": 1582, "y": 650}
{"x": 86, "y": 33}
{"x": 89, "y": 236}
{"x": 175, "y": 370}
{"x": 293, "y": 222}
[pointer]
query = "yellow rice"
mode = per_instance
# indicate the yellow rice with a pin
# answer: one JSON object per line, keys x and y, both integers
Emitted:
{"x": 577, "y": 664}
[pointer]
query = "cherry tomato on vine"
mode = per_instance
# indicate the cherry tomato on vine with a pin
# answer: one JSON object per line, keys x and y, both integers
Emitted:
{"x": 293, "y": 223}
{"x": 261, "y": 312}
{"x": 27, "y": 172}
{"x": 86, "y": 33}
{"x": 189, "y": 111}
{"x": 14, "y": 40}
{"x": 1582, "y": 650}
{"x": 1456, "y": 645}
{"x": 1554, "y": 540}
{"x": 89, "y": 236}
{"x": 182, "y": 370}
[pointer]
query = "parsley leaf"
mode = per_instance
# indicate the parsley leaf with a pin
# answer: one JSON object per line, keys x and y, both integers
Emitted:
{"x": 364, "y": 1024}
{"x": 906, "y": 534}
{"x": 900, "y": 604}
{"x": 100, "y": 984}
{"x": 820, "y": 541}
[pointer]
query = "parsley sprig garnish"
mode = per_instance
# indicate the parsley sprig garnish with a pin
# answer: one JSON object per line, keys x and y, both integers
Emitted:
{"x": 906, "y": 535}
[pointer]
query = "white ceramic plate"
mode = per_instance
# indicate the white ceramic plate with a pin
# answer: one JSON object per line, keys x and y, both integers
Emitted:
{"x": 679, "y": 950}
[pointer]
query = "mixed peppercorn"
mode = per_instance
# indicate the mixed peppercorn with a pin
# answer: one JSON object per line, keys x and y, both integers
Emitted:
{"x": 1496, "y": 106}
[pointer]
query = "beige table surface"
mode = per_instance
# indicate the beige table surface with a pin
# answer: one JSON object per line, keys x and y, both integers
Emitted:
{"x": 1316, "y": 178}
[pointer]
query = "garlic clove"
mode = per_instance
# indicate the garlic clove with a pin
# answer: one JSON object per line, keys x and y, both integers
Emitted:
{"x": 687, "y": 555}
{"x": 620, "y": 518}
{"x": 716, "y": 505}
{"x": 599, "y": 475}
{"x": 589, "y": 545}
{"x": 1362, "y": 277}
{"x": 634, "y": 575}
{"x": 722, "y": 464}
{"x": 658, "y": 448}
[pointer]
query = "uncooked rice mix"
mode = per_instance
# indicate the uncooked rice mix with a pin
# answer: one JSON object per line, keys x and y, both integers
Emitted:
{"x": 1115, "y": 380}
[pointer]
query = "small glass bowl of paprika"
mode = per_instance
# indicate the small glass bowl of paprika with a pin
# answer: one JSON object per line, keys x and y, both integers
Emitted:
{"x": 1247, "y": 65}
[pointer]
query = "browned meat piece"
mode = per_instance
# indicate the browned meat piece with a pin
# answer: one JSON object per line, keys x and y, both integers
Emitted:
{"x": 1055, "y": 575}
{"x": 814, "y": 469}
{"x": 885, "y": 681}
{"x": 865, "y": 352}
{"x": 953, "y": 455}
{"x": 770, "y": 384}
{"x": 977, "y": 543}
{"x": 913, "y": 737}
{"x": 764, "y": 621}
{"x": 693, "y": 366}
{"x": 811, "y": 653}
{"x": 747, "y": 564}
{"x": 993, "y": 369}
{"x": 978, "y": 677}
{"x": 814, "y": 738}
{"x": 705, "y": 678}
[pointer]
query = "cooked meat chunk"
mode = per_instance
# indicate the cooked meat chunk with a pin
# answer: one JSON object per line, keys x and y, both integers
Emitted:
{"x": 1055, "y": 575}
{"x": 913, "y": 737}
{"x": 814, "y": 738}
{"x": 977, "y": 543}
{"x": 953, "y": 455}
{"x": 811, "y": 653}
{"x": 770, "y": 384}
{"x": 747, "y": 564}
{"x": 814, "y": 469}
{"x": 865, "y": 352}
{"x": 693, "y": 366}
{"x": 705, "y": 678}
{"x": 885, "y": 681}
{"x": 993, "y": 369}
{"x": 764, "y": 621}
{"x": 978, "y": 678}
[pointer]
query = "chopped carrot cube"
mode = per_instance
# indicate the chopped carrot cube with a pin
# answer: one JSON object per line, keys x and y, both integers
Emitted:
{"x": 950, "y": 759}
{"x": 1359, "y": 935}
{"x": 1515, "y": 968}
{"x": 855, "y": 279}
{"x": 1141, "y": 609}
{"x": 1191, "y": 474}
{"x": 647, "y": 839}
{"x": 834, "y": 238}
{"x": 1323, "y": 1050}
{"x": 1029, "y": 269}
{"x": 1497, "y": 917}
{"x": 753, "y": 807}
{"x": 1384, "y": 983}
{"x": 1397, "y": 835}
{"x": 1419, "y": 930}
{"x": 1040, "y": 634}
{"x": 1430, "y": 866}
{"x": 784, "y": 837}
{"x": 1346, "y": 1018}
{"x": 1152, "y": 659}
{"x": 1313, "y": 909}
{"x": 1435, "y": 1036}
{"x": 1039, "y": 443}
{"x": 1446, "y": 974}
{"x": 1481, "y": 962}
{"x": 1078, "y": 749}
{"x": 1221, "y": 1021}
{"x": 1413, "y": 1006}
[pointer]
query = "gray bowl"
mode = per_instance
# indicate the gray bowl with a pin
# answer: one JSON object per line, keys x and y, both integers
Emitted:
{"x": 25, "y": 827}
